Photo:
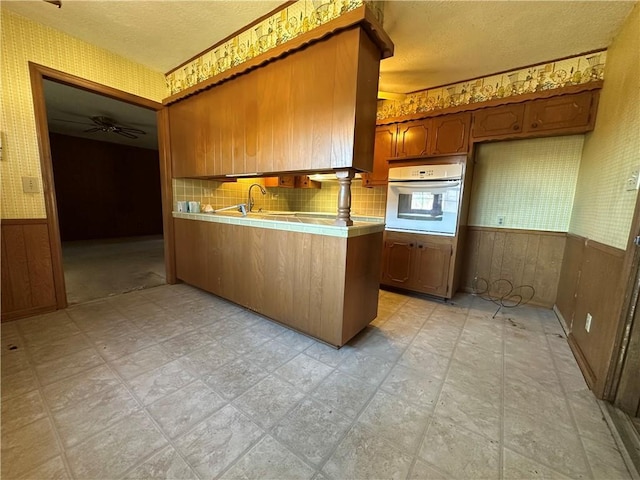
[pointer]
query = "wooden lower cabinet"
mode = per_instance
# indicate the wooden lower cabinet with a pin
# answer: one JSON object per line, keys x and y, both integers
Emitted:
{"x": 323, "y": 286}
{"x": 417, "y": 262}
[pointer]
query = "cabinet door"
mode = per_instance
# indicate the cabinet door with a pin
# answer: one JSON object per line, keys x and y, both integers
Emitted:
{"x": 396, "y": 263}
{"x": 498, "y": 122}
{"x": 450, "y": 134}
{"x": 414, "y": 138}
{"x": 431, "y": 264}
{"x": 559, "y": 113}
{"x": 191, "y": 261}
{"x": 384, "y": 148}
{"x": 187, "y": 135}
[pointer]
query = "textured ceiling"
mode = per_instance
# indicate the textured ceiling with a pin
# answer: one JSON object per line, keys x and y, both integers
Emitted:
{"x": 443, "y": 42}
{"x": 159, "y": 34}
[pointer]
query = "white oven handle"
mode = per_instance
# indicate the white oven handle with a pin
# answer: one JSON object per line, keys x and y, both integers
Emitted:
{"x": 410, "y": 187}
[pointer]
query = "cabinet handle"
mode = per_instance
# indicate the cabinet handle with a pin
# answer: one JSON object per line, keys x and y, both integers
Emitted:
{"x": 534, "y": 125}
{"x": 411, "y": 245}
{"x": 420, "y": 246}
{"x": 516, "y": 127}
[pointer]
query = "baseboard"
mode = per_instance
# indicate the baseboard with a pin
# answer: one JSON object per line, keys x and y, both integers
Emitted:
{"x": 531, "y": 302}
{"x": 563, "y": 322}
{"x": 28, "y": 312}
{"x": 587, "y": 373}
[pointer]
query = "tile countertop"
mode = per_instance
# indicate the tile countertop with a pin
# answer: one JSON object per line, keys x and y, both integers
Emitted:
{"x": 317, "y": 223}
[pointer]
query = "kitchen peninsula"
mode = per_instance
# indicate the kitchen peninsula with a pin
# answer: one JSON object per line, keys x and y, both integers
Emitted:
{"x": 318, "y": 278}
{"x": 308, "y": 106}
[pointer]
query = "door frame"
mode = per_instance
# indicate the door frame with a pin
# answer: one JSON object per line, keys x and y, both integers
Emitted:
{"x": 37, "y": 74}
{"x": 630, "y": 281}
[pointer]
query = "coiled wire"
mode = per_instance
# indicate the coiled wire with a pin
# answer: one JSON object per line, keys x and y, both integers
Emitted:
{"x": 514, "y": 296}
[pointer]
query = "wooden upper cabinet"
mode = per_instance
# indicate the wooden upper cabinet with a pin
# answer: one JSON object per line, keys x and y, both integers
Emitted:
{"x": 498, "y": 121}
{"x": 384, "y": 148}
{"x": 559, "y": 113}
{"x": 414, "y": 139}
{"x": 187, "y": 137}
{"x": 314, "y": 109}
{"x": 450, "y": 134}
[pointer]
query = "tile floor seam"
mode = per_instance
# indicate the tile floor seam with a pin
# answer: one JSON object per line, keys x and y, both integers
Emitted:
{"x": 308, "y": 395}
{"x": 155, "y": 423}
{"x": 269, "y": 431}
{"x": 330, "y": 454}
{"x": 576, "y": 430}
{"x": 444, "y": 380}
{"x": 62, "y": 451}
{"x": 322, "y": 464}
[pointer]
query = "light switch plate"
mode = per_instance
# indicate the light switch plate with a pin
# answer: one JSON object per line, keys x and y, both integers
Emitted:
{"x": 30, "y": 185}
{"x": 633, "y": 180}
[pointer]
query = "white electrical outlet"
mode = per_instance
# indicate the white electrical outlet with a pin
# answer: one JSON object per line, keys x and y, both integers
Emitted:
{"x": 30, "y": 185}
{"x": 500, "y": 220}
{"x": 632, "y": 181}
{"x": 587, "y": 324}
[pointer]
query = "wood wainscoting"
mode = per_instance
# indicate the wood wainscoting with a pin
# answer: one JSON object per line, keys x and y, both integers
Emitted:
{"x": 27, "y": 269}
{"x": 591, "y": 283}
{"x": 523, "y": 257}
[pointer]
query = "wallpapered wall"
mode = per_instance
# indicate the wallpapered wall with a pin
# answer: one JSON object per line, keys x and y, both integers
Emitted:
{"x": 603, "y": 209}
{"x": 529, "y": 182}
{"x": 24, "y": 41}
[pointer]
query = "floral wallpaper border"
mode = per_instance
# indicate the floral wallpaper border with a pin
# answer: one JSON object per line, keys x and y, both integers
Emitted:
{"x": 296, "y": 19}
{"x": 545, "y": 76}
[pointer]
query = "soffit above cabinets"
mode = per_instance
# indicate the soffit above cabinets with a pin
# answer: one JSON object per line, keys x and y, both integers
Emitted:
{"x": 436, "y": 42}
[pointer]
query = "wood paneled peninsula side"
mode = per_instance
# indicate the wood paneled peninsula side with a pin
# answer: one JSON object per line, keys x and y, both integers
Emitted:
{"x": 300, "y": 270}
{"x": 308, "y": 106}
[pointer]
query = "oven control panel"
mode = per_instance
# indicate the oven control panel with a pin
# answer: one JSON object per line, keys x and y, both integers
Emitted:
{"x": 448, "y": 171}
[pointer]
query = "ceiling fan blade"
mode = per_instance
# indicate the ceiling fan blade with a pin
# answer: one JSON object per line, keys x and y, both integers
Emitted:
{"x": 125, "y": 134}
{"x": 132, "y": 130}
{"x": 91, "y": 130}
{"x": 103, "y": 121}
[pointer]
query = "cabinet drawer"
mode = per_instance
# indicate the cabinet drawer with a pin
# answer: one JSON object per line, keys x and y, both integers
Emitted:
{"x": 498, "y": 121}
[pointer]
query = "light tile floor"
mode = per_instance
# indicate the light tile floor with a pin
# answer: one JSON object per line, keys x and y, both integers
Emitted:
{"x": 172, "y": 382}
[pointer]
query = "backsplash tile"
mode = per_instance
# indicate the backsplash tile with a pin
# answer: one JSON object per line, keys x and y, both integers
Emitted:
{"x": 364, "y": 201}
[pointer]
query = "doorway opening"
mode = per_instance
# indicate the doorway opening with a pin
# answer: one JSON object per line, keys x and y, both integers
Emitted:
{"x": 104, "y": 187}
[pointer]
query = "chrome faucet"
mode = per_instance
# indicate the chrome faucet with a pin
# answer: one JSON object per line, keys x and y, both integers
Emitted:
{"x": 250, "y": 201}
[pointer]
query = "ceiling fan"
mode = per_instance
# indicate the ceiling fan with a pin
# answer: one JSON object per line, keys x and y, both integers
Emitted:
{"x": 108, "y": 125}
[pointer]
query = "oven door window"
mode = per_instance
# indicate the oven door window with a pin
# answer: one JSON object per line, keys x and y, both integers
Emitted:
{"x": 421, "y": 206}
{"x": 430, "y": 206}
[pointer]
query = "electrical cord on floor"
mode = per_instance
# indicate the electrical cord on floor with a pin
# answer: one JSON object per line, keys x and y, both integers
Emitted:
{"x": 515, "y": 296}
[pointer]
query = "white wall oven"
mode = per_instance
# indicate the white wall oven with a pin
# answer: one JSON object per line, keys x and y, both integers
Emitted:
{"x": 424, "y": 199}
